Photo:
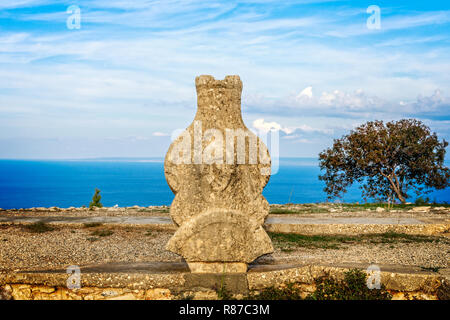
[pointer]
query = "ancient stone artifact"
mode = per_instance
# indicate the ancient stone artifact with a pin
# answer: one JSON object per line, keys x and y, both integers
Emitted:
{"x": 217, "y": 169}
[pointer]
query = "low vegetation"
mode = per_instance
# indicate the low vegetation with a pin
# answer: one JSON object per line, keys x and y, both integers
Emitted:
{"x": 433, "y": 269}
{"x": 92, "y": 224}
{"x": 395, "y": 206}
{"x": 288, "y": 292}
{"x": 157, "y": 210}
{"x": 289, "y": 241}
{"x": 308, "y": 208}
{"x": 282, "y": 211}
{"x": 102, "y": 233}
{"x": 299, "y": 210}
{"x": 352, "y": 287}
{"x": 38, "y": 227}
{"x": 96, "y": 200}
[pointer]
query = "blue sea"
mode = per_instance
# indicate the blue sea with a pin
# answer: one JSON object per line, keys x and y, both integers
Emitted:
{"x": 128, "y": 182}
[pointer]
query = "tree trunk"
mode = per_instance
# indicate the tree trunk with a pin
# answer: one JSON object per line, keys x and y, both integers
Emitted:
{"x": 395, "y": 187}
{"x": 400, "y": 197}
{"x": 398, "y": 188}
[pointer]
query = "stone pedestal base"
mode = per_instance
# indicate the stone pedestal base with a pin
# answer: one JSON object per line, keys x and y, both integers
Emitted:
{"x": 220, "y": 237}
{"x": 217, "y": 267}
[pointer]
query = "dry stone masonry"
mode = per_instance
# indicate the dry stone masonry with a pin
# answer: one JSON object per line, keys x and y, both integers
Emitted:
{"x": 217, "y": 169}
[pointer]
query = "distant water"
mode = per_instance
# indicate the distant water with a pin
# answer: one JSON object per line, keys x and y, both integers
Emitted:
{"x": 25, "y": 184}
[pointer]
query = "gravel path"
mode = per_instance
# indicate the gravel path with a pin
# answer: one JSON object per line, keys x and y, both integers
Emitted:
{"x": 20, "y": 249}
{"x": 306, "y": 212}
{"x": 404, "y": 254}
{"x": 85, "y": 212}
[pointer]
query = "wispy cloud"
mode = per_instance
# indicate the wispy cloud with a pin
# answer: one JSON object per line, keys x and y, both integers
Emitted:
{"x": 392, "y": 23}
{"x": 356, "y": 104}
{"x": 160, "y": 134}
{"x": 12, "y": 4}
{"x": 311, "y": 69}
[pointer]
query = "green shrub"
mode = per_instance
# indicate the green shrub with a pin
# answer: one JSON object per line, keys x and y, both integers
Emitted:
{"x": 96, "y": 200}
{"x": 421, "y": 201}
{"x": 353, "y": 287}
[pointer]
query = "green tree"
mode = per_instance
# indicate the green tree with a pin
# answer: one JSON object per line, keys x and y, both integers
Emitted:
{"x": 96, "y": 200}
{"x": 387, "y": 160}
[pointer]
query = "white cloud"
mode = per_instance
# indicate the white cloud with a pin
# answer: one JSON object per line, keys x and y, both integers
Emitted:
{"x": 400, "y": 21}
{"x": 303, "y": 141}
{"x": 141, "y": 79}
{"x": 264, "y": 127}
{"x": 356, "y": 100}
{"x": 424, "y": 104}
{"x": 11, "y": 4}
{"x": 342, "y": 104}
{"x": 305, "y": 93}
{"x": 261, "y": 126}
{"x": 160, "y": 134}
{"x": 334, "y": 101}
{"x": 291, "y": 137}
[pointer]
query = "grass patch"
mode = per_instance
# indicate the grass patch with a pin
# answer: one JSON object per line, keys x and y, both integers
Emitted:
{"x": 433, "y": 269}
{"x": 223, "y": 293}
{"x": 306, "y": 209}
{"x": 287, "y": 242}
{"x": 159, "y": 210}
{"x": 164, "y": 210}
{"x": 393, "y": 206}
{"x": 393, "y": 237}
{"x": 38, "y": 227}
{"x": 282, "y": 211}
{"x": 127, "y": 229}
{"x": 92, "y": 224}
{"x": 317, "y": 210}
{"x": 92, "y": 239}
{"x": 102, "y": 233}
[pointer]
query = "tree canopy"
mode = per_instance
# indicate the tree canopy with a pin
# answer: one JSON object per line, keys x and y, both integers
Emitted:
{"x": 387, "y": 160}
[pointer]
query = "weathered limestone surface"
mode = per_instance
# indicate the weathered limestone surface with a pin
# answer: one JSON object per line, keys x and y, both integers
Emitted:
{"x": 401, "y": 282}
{"x": 222, "y": 236}
{"x": 217, "y": 169}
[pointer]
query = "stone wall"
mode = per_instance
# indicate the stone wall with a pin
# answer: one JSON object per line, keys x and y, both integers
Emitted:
{"x": 33, "y": 292}
{"x": 402, "y": 284}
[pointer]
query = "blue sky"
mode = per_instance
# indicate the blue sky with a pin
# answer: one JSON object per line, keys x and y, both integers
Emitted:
{"x": 123, "y": 82}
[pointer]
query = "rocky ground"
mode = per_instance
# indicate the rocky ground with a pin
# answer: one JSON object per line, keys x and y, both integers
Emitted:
{"x": 21, "y": 248}
{"x": 49, "y": 246}
{"x": 433, "y": 253}
{"x": 324, "y": 209}
{"x": 86, "y": 212}
{"x": 25, "y": 249}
